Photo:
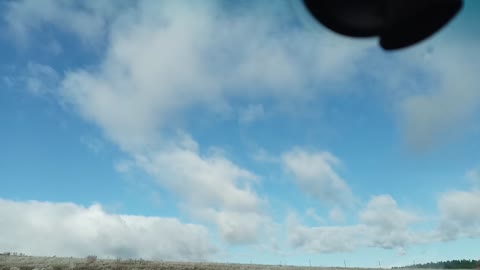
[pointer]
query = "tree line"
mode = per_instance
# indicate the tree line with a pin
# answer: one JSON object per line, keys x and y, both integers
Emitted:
{"x": 453, "y": 264}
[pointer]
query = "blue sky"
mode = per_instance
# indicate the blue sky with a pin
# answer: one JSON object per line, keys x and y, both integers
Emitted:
{"x": 234, "y": 133}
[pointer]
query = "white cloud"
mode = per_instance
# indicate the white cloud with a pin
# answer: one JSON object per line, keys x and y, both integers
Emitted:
{"x": 451, "y": 100}
{"x": 384, "y": 212}
{"x": 459, "y": 214}
{"x": 203, "y": 180}
{"x": 67, "y": 229}
{"x": 212, "y": 188}
{"x": 314, "y": 173}
{"x": 390, "y": 224}
{"x": 240, "y": 227}
{"x": 383, "y": 224}
{"x": 251, "y": 113}
{"x": 166, "y": 57}
{"x": 326, "y": 239}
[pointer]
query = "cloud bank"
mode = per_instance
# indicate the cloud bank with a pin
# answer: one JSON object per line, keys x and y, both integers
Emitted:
{"x": 67, "y": 229}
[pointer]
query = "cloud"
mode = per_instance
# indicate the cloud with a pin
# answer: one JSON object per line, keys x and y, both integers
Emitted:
{"x": 211, "y": 188}
{"x": 203, "y": 180}
{"x": 382, "y": 224}
{"x": 164, "y": 58}
{"x": 445, "y": 107}
{"x": 325, "y": 239}
{"x": 315, "y": 175}
{"x": 67, "y": 229}
{"x": 239, "y": 227}
{"x": 87, "y": 20}
{"x": 459, "y": 215}
{"x": 384, "y": 212}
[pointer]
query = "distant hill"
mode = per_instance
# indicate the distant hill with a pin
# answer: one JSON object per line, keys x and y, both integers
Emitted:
{"x": 454, "y": 264}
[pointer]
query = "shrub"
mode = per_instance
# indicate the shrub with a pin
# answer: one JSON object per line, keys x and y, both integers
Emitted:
{"x": 91, "y": 259}
{"x": 57, "y": 267}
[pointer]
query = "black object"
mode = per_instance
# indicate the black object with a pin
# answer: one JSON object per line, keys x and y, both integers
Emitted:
{"x": 398, "y": 23}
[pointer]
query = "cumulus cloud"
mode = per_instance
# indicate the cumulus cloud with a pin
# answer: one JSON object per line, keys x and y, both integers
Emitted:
{"x": 459, "y": 215}
{"x": 315, "y": 175}
{"x": 382, "y": 224}
{"x": 67, "y": 229}
{"x": 210, "y": 180}
{"x": 239, "y": 227}
{"x": 383, "y": 211}
{"x": 213, "y": 188}
{"x": 325, "y": 239}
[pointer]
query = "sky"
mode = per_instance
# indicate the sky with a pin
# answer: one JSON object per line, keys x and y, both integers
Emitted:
{"x": 234, "y": 132}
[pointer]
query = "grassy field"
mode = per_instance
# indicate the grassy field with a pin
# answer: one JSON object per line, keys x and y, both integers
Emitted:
{"x": 56, "y": 263}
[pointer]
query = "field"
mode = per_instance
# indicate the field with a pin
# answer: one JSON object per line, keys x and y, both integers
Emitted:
{"x": 54, "y": 263}
{"x": 58, "y": 263}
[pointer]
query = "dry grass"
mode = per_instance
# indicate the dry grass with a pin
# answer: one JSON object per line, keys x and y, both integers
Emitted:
{"x": 92, "y": 263}
{"x": 89, "y": 263}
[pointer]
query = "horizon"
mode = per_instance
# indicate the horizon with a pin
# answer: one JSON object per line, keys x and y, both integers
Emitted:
{"x": 234, "y": 131}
